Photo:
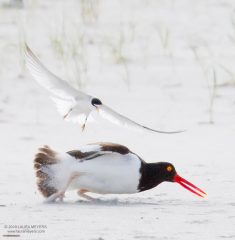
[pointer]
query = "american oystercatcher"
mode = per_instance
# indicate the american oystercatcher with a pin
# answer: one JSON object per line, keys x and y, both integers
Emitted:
{"x": 103, "y": 168}
{"x": 75, "y": 105}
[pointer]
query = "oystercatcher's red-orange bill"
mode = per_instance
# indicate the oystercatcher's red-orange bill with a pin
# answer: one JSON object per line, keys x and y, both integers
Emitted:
{"x": 188, "y": 185}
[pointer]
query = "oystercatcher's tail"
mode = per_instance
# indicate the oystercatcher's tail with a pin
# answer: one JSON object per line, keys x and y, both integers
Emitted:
{"x": 43, "y": 162}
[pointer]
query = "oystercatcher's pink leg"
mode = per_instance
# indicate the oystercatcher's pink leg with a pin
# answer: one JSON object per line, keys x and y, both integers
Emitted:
{"x": 61, "y": 193}
{"x": 82, "y": 192}
{"x": 55, "y": 196}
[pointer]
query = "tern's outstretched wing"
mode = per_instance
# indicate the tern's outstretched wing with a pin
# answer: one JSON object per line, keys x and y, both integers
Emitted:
{"x": 48, "y": 80}
{"x": 66, "y": 98}
{"x": 119, "y": 119}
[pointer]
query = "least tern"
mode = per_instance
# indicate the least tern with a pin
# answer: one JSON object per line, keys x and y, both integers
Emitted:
{"x": 75, "y": 105}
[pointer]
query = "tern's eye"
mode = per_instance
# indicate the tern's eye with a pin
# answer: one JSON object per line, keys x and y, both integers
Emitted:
{"x": 96, "y": 101}
{"x": 169, "y": 168}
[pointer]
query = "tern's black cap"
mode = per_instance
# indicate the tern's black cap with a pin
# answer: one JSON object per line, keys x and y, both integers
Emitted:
{"x": 96, "y": 101}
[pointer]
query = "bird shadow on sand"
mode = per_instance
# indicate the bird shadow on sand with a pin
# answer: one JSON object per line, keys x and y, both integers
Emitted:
{"x": 107, "y": 202}
{"x": 115, "y": 202}
{"x": 126, "y": 202}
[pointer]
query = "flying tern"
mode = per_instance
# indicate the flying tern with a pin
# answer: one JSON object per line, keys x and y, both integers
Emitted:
{"x": 75, "y": 105}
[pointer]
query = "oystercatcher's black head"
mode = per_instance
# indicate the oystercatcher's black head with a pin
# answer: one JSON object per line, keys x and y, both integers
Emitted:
{"x": 166, "y": 171}
{"x": 153, "y": 174}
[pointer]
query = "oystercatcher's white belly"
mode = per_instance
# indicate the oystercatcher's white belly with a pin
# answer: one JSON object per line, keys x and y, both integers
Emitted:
{"x": 112, "y": 173}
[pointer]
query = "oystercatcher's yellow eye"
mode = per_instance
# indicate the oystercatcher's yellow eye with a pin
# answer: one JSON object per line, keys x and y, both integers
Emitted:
{"x": 169, "y": 168}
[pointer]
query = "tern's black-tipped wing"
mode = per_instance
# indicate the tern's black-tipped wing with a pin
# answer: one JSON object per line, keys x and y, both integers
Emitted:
{"x": 119, "y": 119}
